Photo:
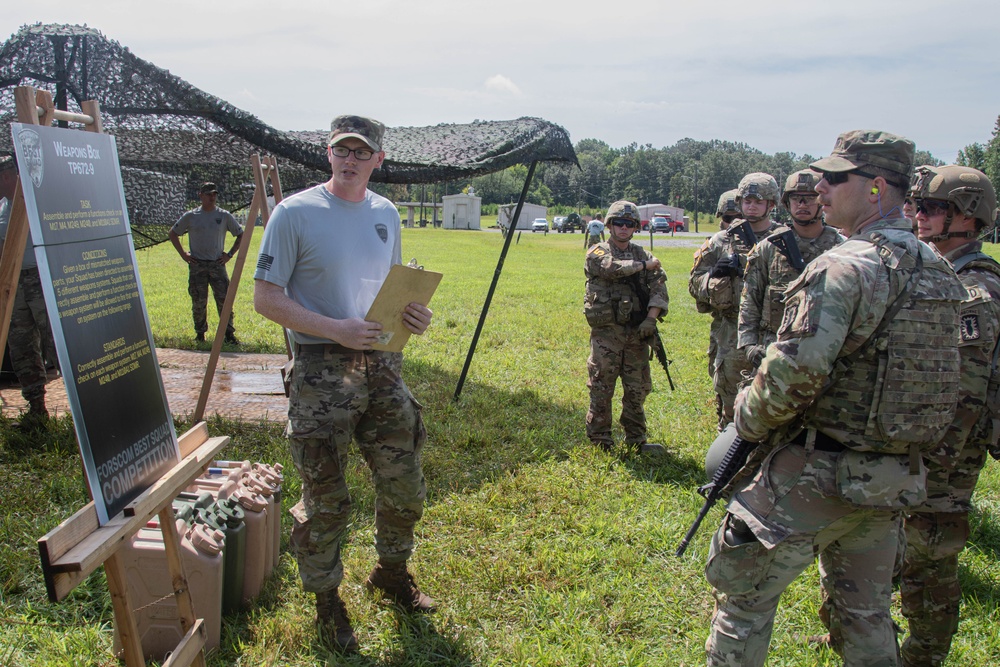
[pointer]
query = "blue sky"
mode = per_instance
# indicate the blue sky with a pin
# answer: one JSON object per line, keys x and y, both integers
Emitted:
{"x": 779, "y": 76}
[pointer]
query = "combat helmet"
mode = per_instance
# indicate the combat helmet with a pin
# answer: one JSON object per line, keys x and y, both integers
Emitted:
{"x": 727, "y": 204}
{"x": 968, "y": 191}
{"x": 760, "y": 185}
{"x": 623, "y": 210}
{"x": 801, "y": 182}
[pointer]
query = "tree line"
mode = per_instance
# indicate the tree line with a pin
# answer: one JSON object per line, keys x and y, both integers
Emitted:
{"x": 985, "y": 157}
{"x": 690, "y": 174}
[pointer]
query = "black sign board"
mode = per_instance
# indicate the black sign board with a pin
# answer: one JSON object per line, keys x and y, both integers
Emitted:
{"x": 79, "y": 225}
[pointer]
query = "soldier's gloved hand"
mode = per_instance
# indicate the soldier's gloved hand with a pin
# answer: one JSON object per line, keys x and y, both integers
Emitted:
{"x": 727, "y": 266}
{"x": 755, "y": 354}
{"x": 647, "y": 328}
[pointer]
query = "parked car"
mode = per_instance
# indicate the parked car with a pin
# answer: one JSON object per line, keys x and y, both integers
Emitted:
{"x": 539, "y": 225}
{"x": 666, "y": 225}
{"x": 557, "y": 223}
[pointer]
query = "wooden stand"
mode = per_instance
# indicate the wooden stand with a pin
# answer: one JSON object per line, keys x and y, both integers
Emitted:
{"x": 79, "y": 545}
{"x": 262, "y": 171}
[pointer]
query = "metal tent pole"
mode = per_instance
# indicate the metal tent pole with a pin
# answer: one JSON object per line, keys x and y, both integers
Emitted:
{"x": 496, "y": 277}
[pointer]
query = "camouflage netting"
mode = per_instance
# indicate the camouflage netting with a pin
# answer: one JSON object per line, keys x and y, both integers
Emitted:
{"x": 172, "y": 137}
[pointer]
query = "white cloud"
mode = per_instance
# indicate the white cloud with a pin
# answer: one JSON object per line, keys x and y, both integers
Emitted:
{"x": 501, "y": 84}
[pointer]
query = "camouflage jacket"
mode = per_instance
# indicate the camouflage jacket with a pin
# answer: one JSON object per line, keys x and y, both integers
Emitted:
{"x": 720, "y": 296}
{"x": 954, "y": 467}
{"x": 768, "y": 273}
{"x": 611, "y": 297}
{"x": 831, "y": 310}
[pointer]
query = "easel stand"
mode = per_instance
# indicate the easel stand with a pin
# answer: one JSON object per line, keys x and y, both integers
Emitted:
{"x": 263, "y": 170}
{"x": 79, "y": 545}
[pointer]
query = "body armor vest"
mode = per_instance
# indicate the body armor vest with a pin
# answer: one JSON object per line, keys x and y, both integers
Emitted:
{"x": 902, "y": 391}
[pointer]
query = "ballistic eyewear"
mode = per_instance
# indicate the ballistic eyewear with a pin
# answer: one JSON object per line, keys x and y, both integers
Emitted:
{"x": 629, "y": 224}
{"x": 361, "y": 154}
{"x": 838, "y": 177}
{"x": 931, "y": 207}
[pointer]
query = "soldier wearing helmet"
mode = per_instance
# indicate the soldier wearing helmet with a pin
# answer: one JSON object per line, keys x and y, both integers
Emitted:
{"x": 727, "y": 210}
{"x": 717, "y": 281}
{"x": 778, "y": 260}
{"x": 626, "y": 296}
{"x": 954, "y": 205}
{"x": 857, "y": 390}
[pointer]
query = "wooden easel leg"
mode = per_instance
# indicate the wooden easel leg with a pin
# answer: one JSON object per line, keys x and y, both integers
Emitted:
{"x": 182, "y": 593}
{"x": 125, "y": 625}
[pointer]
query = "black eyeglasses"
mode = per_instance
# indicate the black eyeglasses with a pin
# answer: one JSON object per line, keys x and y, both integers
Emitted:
{"x": 630, "y": 224}
{"x": 931, "y": 207}
{"x": 361, "y": 154}
{"x": 838, "y": 177}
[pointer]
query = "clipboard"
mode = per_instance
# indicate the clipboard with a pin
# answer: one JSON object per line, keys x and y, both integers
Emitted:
{"x": 404, "y": 285}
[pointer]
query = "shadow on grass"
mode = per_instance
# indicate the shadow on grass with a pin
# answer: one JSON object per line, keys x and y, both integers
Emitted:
{"x": 418, "y": 643}
{"x": 493, "y": 431}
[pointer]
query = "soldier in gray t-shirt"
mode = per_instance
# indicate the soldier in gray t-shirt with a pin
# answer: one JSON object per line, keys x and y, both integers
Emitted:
{"x": 206, "y": 228}
{"x": 324, "y": 256}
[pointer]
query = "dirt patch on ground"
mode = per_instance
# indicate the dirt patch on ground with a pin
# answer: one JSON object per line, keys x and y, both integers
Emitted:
{"x": 245, "y": 386}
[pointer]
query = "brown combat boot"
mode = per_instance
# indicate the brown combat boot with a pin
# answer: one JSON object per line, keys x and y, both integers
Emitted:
{"x": 35, "y": 417}
{"x": 333, "y": 624}
{"x": 397, "y": 584}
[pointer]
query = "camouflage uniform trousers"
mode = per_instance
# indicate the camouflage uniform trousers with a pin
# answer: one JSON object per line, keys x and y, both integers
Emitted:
{"x": 203, "y": 274}
{"x": 593, "y": 240}
{"x": 793, "y": 505}
{"x": 930, "y": 590}
{"x": 730, "y": 369}
{"x": 336, "y": 395}
{"x": 617, "y": 352}
{"x": 30, "y": 336}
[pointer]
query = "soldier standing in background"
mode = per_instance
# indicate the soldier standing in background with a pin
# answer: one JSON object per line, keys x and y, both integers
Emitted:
{"x": 953, "y": 205}
{"x": 595, "y": 231}
{"x": 626, "y": 295}
{"x": 717, "y": 281}
{"x": 206, "y": 228}
{"x": 835, "y": 465}
{"x": 774, "y": 263}
{"x": 728, "y": 210}
{"x": 30, "y": 334}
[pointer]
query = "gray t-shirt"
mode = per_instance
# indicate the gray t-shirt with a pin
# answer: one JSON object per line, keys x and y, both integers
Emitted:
{"x": 207, "y": 230}
{"x": 28, "y": 261}
{"x": 595, "y": 227}
{"x": 330, "y": 255}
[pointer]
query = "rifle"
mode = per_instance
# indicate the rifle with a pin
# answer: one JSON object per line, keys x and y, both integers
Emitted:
{"x": 788, "y": 246}
{"x": 661, "y": 356}
{"x": 745, "y": 232}
{"x": 657, "y": 347}
{"x": 731, "y": 464}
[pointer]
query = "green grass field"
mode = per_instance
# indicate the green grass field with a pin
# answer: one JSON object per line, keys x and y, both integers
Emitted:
{"x": 539, "y": 549}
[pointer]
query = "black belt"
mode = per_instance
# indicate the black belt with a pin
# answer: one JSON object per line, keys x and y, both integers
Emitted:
{"x": 824, "y": 443}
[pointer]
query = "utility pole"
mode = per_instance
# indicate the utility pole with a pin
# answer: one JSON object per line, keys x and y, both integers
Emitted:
{"x": 696, "y": 197}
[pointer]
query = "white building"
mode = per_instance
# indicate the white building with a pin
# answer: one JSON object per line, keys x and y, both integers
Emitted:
{"x": 528, "y": 213}
{"x": 461, "y": 211}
